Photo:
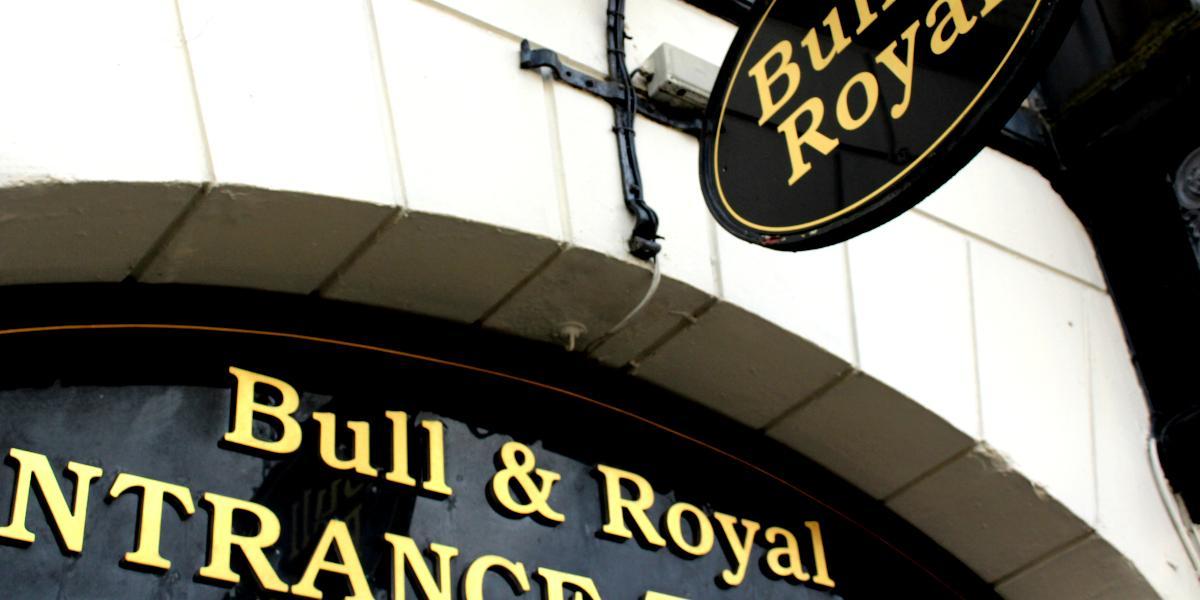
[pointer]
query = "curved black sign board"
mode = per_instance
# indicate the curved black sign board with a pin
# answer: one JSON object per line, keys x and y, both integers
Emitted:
{"x": 245, "y": 457}
{"x": 831, "y": 118}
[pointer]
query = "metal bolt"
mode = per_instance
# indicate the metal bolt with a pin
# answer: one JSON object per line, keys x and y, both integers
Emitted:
{"x": 1187, "y": 181}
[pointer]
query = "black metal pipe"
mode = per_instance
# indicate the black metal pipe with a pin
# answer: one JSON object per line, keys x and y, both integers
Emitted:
{"x": 643, "y": 242}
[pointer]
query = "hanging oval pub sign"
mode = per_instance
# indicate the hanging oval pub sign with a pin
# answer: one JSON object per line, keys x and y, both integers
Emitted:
{"x": 831, "y": 118}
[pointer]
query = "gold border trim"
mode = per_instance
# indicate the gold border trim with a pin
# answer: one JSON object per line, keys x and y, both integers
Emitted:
{"x": 506, "y": 376}
{"x": 953, "y": 125}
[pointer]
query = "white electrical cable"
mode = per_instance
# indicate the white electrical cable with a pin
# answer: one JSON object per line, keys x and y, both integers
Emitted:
{"x": 633, "y": 313}
{"x": 1168, "y": 500}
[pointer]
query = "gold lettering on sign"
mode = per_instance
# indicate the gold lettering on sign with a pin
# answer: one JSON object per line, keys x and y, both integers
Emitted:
{"x": 405, "y": 552}
{"x": 316, "y": 505}
{"x": 815, "y": 109}
{"x": 946, "y": 20}
{"x": 870, "y": 87}
{"x": 436, "y": 483}
{"x": 519, "y": 466}
{"x": 519, "y": 487}
{"x": 988, "y": 6}
{"x": 737, "y": 535}
{"x": 557, "y": 583}
{"x": 822, "y": 574}
{"x": 67, "y": 523}
{"x": 245, "y": 408}
{"x": 336, "y": 537}
{"x": 360, "y": 459}
{"x": 513, "y": 573}
{"x": 435, "y": 432}
{"x": 616, "y": 506}
{"x": 902, "y": 69}
{"x": 866, "y": 16}
{"x": 153, "y": 494}
{"x": 784, "y": 561}
{"x": 221, "y": 541}
{"x": 840, "y": 42}
{"x": 399, "y": 473}
{"x": 787, "y": 69}
{"x": 956, "y": 15}
{"x": 704, "y": 529}
{"x": 739, "y": 546}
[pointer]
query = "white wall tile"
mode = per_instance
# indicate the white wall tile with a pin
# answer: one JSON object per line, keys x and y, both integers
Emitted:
{"x": 912, "y": 305}
{"x": 1130, "y": 511}
{"x": 1010, "y": 204}
{"x": 599, "y": 219}
{"x": 672, "y": 188}
{"x": 472, "y": 129}
{"x": 96, "y": 91}
{"x": 576, "y": 29}
{"x": 807, "y": 293}
{"x": 1033, "y": 373}
{"x": 591, "y": 173}
{"x": 652, "y": 22}
{"x": 292, "y": 97}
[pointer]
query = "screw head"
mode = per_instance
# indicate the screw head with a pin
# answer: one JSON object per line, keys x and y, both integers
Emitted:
{"x": 1187, "y": 181}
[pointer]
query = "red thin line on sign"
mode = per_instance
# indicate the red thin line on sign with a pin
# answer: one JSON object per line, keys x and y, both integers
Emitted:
{"x": 502, "y": 375}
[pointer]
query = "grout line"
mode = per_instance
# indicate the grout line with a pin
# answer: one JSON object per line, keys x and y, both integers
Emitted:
{"x": 575, "y": 64}
{"x": 398, "y": 183}
{"x": 853, "y": 309}
{"x": 825, "y": 388}
{"x": 469, "y": 18}
{"x": 974, "y": 340}
{"x": 156, "y": 249}
{"x": 211, "y": 171}
{"x": 538, "y": 270}
{"x": 393, "y": 216}
{"x": 1091, "y": 395}
{"x": 1010, "y": 251}
{"x": 1051, "y": 554}
{"x": 915, "y": 481}
{"x": 715, "y": 257}
{"x": 684, "y": 323}
{"x": 558, "y": 165}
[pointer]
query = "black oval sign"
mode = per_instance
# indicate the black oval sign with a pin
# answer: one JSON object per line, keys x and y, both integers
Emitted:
{"x": 831, "y": 118}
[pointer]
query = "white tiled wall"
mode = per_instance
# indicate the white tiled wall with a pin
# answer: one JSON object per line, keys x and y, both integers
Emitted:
{"x": 286, "y": 90}
{"x": 962, "y": 363}
{"x": 94, "y": 103}
{"x": 1033, "y": 374}
{"x": 914, "y": 315}
{"x": 96, "y": 91}
{"x": 473, "y": 130}
{"x": 806, "y": 293}
{"x": 1008, "y": 208}
{"x": 1129, "y": 513}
